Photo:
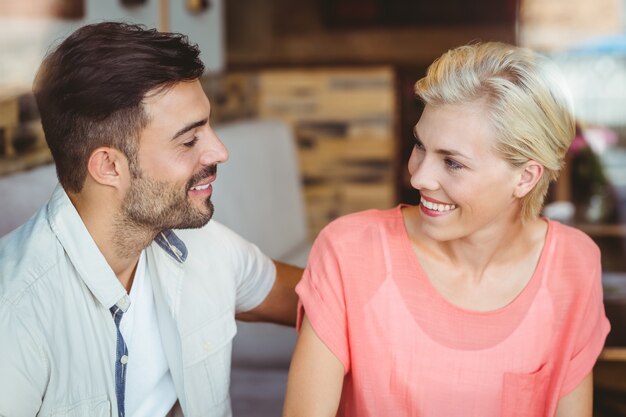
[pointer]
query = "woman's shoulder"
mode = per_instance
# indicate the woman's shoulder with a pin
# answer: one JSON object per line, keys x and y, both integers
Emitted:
{"x": 572, "y": 259}
{"x": 573, "y": 242}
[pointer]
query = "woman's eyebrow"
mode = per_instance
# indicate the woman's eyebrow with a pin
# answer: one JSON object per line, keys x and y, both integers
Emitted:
{"x": 446, "y": 152}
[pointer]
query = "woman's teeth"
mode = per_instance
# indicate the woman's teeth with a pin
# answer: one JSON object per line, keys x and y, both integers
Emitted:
{"x": 200, "y": 187}
{"x": 437, "y": 207}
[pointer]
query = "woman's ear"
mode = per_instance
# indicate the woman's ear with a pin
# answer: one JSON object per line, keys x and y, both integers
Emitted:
{"x": 108, "y": 166}
{"x": 530, "y": 175}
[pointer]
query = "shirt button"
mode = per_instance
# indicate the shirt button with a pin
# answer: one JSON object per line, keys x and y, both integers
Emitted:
{"x": 124, "y": 359}
{"x": 206, "y": 346}
{"x": 124, "y": 303}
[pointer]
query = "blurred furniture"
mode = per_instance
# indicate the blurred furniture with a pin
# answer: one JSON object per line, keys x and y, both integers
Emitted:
{"x": 9, "y": 119}
{"x": 610, "y": 370}
{"x": 23, "y": 193}
{"x": 614, "y": 285}
{"x": 22, "y": 142}
{"x": 258, "y": 193}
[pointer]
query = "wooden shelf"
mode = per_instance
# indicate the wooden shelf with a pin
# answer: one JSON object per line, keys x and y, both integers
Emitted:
{"x": 602, "y": 230}
{"x": 613, "y": 354}
{"x": 22, "y": 162}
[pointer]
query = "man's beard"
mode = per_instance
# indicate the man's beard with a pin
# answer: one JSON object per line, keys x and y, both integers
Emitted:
{"x": 157, "y": 205}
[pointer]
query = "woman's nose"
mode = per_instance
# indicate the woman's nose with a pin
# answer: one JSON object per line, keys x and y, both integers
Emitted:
{"x": 423, "y": 174}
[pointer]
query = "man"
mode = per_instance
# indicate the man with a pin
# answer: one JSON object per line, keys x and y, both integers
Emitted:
{"x": 104, "y": 310}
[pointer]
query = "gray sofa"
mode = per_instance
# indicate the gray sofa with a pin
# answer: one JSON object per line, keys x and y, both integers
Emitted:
{"x": 258, "y": 194}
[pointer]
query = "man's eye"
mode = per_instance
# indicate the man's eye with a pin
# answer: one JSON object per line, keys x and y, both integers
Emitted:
{"x": 191, "y": 142}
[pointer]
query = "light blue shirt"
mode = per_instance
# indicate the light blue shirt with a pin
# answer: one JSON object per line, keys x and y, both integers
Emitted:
{"x": 58, "y": 339}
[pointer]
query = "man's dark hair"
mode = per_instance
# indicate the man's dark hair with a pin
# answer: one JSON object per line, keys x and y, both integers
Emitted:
{"x": 89, "y": 90}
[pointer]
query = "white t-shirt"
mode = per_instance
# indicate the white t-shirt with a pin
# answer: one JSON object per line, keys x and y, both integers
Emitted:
{"x": 149, "y": 386}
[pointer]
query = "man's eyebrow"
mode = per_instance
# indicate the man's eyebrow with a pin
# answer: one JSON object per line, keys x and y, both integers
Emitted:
{"x": 190, "y": 127}
{"x": 446, "y": 152}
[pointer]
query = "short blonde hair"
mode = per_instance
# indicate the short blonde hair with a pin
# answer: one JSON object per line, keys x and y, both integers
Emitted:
{"x": 529, "y": 105}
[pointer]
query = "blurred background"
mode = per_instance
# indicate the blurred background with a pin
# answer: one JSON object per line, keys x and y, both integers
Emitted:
{"x": 339, "y": 75}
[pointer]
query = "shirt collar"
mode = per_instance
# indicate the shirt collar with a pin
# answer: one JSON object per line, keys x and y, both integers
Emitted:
{"x": 172, "y": 245}
{"x": 83, "y": 252}
{"x": 86, "y": 257}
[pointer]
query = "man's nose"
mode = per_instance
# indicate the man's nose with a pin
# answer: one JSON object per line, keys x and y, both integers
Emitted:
{"x": 214, "y": 152}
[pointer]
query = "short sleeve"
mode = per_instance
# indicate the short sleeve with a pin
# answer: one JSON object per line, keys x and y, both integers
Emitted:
{"x": 322, "y": 297}
{"x": 591, "y": 335}
{"x": 255, "y": 272}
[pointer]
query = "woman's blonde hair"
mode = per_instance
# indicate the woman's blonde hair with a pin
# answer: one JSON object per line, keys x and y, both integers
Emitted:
{"x": 529, "y": 105}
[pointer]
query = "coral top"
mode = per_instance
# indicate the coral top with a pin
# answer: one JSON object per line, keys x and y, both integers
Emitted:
{"x": 407, "y": 351}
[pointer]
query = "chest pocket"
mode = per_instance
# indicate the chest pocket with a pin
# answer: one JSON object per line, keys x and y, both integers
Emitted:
{"x": 525, "y": 395}
{"x": 206, "y": 361}
{"x": 93, "y": 407}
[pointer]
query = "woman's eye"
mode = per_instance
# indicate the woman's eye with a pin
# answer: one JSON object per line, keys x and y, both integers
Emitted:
{"x": 419, "y": 146}
{"x": 452, "y": 164}
{"x": 191, "y": 142}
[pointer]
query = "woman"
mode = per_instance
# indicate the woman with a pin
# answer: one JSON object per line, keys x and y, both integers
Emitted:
{"x": 469, "y": 304}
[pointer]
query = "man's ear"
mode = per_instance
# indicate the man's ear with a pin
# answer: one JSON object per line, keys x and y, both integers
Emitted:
{"x": 530, "y": 175}
{"x": 107, "y": 166}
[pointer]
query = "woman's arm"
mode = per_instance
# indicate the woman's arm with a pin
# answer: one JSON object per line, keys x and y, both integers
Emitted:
{"x": 315, "y": 378}
{"x": 578, "y": 403}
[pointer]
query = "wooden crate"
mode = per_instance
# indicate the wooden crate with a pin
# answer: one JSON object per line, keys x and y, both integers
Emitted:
{"x": 326, "y": 94}
{"x": 339, "y": 158}
{"x": 344, "y": 122}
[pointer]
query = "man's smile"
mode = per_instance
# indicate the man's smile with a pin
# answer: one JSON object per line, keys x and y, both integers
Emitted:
{"x": 203, "y": 186}
{"x": 200, "y": 184}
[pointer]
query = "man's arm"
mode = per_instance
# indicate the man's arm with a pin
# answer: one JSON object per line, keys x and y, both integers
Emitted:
{"x": 282, "y": 301}
{"x": 578, "y": 403}
{"x": 315, "y": 378}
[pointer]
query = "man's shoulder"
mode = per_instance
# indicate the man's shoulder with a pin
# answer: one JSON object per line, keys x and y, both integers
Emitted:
{"x": 214, "y": 238}
{"x": 211, "y": 247}
{"x": 27, "y": 255}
